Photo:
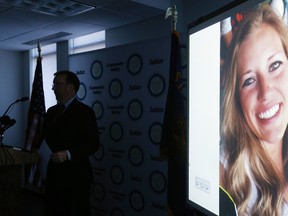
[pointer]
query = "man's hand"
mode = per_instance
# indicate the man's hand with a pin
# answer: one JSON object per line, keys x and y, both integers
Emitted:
{"x": 59, "y": 157}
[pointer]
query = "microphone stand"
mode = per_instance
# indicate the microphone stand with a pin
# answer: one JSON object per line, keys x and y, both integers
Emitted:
{"x": 18, "y": 100}
{"x": 1, "y": 138}
{"x": 3, "y": 129}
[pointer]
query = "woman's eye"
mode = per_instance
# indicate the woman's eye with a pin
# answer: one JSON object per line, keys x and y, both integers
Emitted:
{"x": 248, "y": 82}
{"x": 275, "y": 65}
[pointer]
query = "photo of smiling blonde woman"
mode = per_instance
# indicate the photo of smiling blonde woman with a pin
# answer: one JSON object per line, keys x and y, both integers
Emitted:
{"x": 254, "y": 151}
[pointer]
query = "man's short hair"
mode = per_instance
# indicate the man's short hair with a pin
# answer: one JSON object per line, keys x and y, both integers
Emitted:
{"x": 70, "y": 78}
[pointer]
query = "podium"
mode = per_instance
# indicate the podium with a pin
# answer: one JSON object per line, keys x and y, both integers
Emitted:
{"x": 11, "y": 161}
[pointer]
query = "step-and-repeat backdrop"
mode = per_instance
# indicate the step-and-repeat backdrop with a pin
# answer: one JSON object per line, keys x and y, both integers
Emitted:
{"x": 127, "y": 88}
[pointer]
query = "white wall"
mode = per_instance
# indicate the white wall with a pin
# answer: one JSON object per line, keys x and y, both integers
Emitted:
{"x": 153, "y": 28}
{"x": 13, "y": 77}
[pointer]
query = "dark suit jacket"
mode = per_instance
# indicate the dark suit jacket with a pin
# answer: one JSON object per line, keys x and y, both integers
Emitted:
{"x": 75, "y": 130}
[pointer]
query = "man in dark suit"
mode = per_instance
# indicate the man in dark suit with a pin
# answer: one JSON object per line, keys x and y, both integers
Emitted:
{"x": 70, "y": 130}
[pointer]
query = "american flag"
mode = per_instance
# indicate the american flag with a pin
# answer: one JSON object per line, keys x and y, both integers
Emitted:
{"x": 173, "y": 144}
{"x": 35, "y": 120}
{"x": 36, "y": 111}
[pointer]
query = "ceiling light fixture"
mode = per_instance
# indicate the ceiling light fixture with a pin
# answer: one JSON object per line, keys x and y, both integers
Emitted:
{"x": 63, "y": 8}
{"x": 48, "y": 39}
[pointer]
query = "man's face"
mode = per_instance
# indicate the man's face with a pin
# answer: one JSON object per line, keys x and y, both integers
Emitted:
{"x": 60, "y": 88}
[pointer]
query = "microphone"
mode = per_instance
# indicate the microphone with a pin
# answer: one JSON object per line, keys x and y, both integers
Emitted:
{"x": 23, "y": 99}
{"x": 10, "y": 124}
{"x": 4, "y": 120}
{"x": 5, "y": 123}
{"x": 18, "y": 100}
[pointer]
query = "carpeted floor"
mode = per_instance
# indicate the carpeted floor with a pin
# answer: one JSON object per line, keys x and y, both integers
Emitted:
{"x": 31, "y": 204}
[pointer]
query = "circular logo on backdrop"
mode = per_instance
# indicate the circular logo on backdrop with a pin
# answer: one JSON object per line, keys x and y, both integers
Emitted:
{"x": 157, "y": 181}
{"x": 98, "y": 109}
{"x": 98, "y": 191}
{"x": 116, "y": 131}
{"x": 115, "y": 88}
{"x": 136, "y": 155}
{"x": 156, "y": 85}
{"x": 116, "y": 175}
{"x": 99, "y": 154}
{"x": 96, "y": 69}
{"x": 81, "y": 94}
{"x": 155, "y": 133}
{"x": 134, "y": 64}
{"x": 136, "y": 200}
{"x": 135, "y": 109}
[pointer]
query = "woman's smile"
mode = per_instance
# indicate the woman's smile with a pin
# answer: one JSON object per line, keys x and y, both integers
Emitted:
{"x": 269, "y": 113}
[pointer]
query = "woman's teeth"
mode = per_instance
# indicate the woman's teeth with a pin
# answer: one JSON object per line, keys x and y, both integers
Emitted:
{"x": 269, "y": 113}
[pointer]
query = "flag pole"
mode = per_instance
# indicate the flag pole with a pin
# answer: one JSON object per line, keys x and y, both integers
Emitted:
{"x": 35, "y": 119}
{"x": 39, "y": 49}
{"x": 173, "y": 143}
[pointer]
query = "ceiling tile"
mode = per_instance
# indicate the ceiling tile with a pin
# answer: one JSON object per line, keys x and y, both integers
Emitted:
{"x": 21, "y": 25}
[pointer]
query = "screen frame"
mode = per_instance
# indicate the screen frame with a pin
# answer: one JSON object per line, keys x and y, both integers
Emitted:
{"x": 194, "y": 27}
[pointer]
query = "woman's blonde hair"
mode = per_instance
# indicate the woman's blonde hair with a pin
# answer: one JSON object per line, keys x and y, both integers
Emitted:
{"x": 242, "y": 146}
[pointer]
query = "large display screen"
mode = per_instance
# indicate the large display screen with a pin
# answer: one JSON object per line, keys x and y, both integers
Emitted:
{"x": 211, "y": 58}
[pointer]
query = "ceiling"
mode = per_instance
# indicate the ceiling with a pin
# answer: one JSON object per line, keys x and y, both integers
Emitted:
{"x": 20, "y": 25}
